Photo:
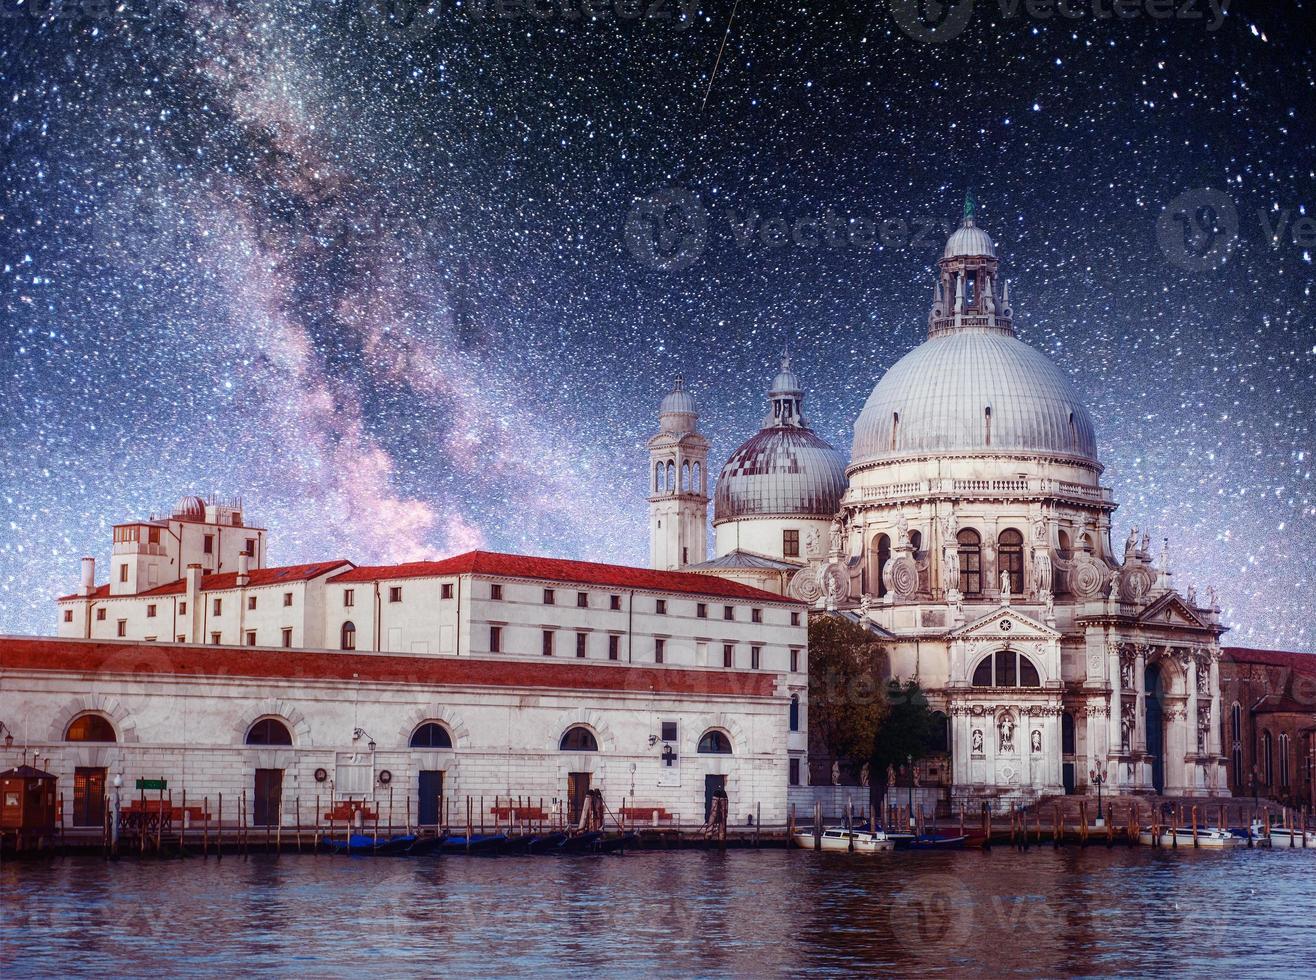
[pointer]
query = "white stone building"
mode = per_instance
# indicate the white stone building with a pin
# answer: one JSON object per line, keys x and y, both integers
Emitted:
{"x": 971, "y": 532}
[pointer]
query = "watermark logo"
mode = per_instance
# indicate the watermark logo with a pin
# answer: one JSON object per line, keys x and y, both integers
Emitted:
{"x": 931, "y": 21}
{"x": 418, "y": 17}
{"x": 932, "y": 912}
{"x": 667, "y": 230}
{"x": 1198, "y": 230}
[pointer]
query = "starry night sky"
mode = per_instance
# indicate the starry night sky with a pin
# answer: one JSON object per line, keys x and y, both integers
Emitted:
{"x": 369, "y": 267}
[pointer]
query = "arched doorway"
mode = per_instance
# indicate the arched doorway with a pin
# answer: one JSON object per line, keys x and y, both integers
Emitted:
{"x": 1068, "y": 750}
{"x": 1154, "y": 724}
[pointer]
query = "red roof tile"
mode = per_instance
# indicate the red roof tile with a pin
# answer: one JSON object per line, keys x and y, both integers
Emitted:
{"x": 565, "y": 570}
{"x": 218, "y": 581}
{"x": 99, "y": 592}
{"x": 1302, "y": 662}
{"x": 167, "y": 659}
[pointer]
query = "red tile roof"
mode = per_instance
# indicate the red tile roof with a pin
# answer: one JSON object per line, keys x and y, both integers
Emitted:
{"x": 217, "y": 581}
{"x": 564, "y": 570}
{"x": 97, "y": 593}
{"x": 167, "y": 659}
{"x": 1302, "y": 662}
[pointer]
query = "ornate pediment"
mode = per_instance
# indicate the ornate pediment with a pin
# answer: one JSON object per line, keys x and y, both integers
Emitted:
{"x": 1171, "y": 610}
{"x": 1005, "y": 623}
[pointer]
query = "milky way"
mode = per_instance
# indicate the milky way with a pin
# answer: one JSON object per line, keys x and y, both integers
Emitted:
{"x": 381, "y": 269}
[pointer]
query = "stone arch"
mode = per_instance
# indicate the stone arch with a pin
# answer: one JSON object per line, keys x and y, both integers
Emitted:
{"x": 723, "y": 723}
{"x": 445, "y": 716}
{"x": 125, "y": 727}
{"x": 284, "y": 712}
{"x": 587, "y": 719}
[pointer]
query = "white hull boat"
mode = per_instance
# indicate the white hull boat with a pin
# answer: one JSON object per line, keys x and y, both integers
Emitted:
{"x": 1283, "y": 837}
{"x": 1206, "y": 837}
{"x": 838, "y": 839}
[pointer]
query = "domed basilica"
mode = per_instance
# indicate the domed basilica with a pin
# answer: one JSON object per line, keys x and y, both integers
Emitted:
{"x": 971, "y": 533}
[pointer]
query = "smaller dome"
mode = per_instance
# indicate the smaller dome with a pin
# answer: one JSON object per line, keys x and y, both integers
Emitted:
{"x": 969, "y": 240}
{"x": 780, "y": 472}
{"x": 193, "y": 507}
{"x": 787, "y": 382}
{"x": 678, "y": 401}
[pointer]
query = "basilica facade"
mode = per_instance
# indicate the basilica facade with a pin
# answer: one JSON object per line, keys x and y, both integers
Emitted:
{"x": 970, "y": 531}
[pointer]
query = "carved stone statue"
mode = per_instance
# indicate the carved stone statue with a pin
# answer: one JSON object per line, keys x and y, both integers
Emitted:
{"x": 1212, "y": 597}
{"x": 836, "y": 774}
{"x": 1131, "y": 542}
{"x": 1005, "y": 725}
{"x": 902, "y": 532}
{"x": 1128, "y": 720}
{"x": 865, "y": 604}
{"x": 1191, "y": 596}
{"x": 812, "y": 546}
{"x": 890, "y": 775}
{"x": 1146, "y": 543}
{"x": 1204, "y": 679}
{"x": 977, "y": 741}
{"x": 1037, "y": 740}
{"x": 864, "y": 775}
{"x": 1048, "y": 606}
{"x": 1005, "y": 588}
{"x": 836, "y": 539}
{"x": 1126, "y": 673}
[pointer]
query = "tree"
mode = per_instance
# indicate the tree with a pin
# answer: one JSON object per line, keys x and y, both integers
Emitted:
{"x": 909, "y": 730}
{"x": 846, "y": 703}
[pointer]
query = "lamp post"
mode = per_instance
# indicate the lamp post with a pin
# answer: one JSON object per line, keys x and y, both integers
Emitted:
{"x": 114, "y": 820}
{"x": 910, "y": 760}
{"x": 1097, "y": 777}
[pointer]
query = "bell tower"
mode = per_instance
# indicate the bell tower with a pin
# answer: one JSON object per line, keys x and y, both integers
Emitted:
{"x": 678, "y": 484}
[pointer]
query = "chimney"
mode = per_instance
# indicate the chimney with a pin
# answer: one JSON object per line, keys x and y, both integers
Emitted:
{"x": 244, "y": 570}
{"x": 193, "y": 585}
{"x": 88, "y": 577}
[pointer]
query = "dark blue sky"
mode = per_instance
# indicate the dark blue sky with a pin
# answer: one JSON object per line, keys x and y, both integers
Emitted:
{"x": 375, "y": 277}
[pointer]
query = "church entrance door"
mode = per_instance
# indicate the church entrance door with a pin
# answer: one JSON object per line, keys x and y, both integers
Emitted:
{"x": 1067, "y": 753}
{"x": 1155, "y": 726}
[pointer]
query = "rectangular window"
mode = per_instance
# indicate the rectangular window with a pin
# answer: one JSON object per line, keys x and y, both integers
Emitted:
{"x": 495, "y": 639}
{"x": 349, "y": 597}
{"x": 251, "y": 638}
{"x": 214, "y": 638}
{"x": 251, "y": 602}
{"x": 795, "y": 661}
{"x": 661, "y": 607}
{"x": 100, "y": 615}
{"x": 550, "y": 597}
{"x": 756, "y": 615}
{"x": 68, "y": 615}
{"x": 150, "y": 612}
{"x": 287, "y": 599}
{"x": 123, "y": 573}
{"x": 395, "y": 593}
{"x": 208, "y": 546}
{"x": 217, "y": 607}
{"x": 287, "y": 636}
{"x": 795, "y": 619}
{"x": 728, "y": 612}
{"x": 182, "y": 608}
{"x": 121, "y": 628}
{"x": 250, "y": 551}
{"x": 795, "y": 772}
{"x": 445, "y": 590}
{"x": 659, "y": 650}
{"x": 182, "y": 638}
{"x": 614, "y": 647}
{"x": 580, "y": 645}
{"x": 669, "y": 730}
{"x": 614, "y": 601}
{"x": 495, "y": 591}
{"x": 790, "y": 544}
{"x": 547, "y": 643}
{"x": 153, "y": 535}
{"x": 728, "y": 655}
{"x": 701, "y": 610}
{"x": 754, "y": 654}
{"x": 582, "y": 600}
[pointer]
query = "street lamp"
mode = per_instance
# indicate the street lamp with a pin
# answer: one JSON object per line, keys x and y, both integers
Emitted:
{"x": 1097, "y": 777}
{"x": 359, "y": 734}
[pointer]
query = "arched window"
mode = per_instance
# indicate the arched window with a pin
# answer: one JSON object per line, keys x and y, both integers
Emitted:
{"x": 349, "y": 636}
{"x": 698, "y": 485}
{"x": 1063, "y": 549}
{"x": 714, "y": 743}
{"x": 658, "y": 478}
{"x": 1011, "y": 558}
{"x": 795, "y": 713}
{"x": 969, "y": 545}
{"x": 578, "y": 739}
{"x": 1267, "y": 759}
{"x": 90, "y": 728}
{"x": 916, "y": 542}
{"x": 1236, "y": 744}
{"x": 883, "y": 556}
{"x": 431, "y": 735}
{"x": 1006, "y": 668}
{"x": 269, "y": 731}
{"x": 1283, "y": 762}
{"x": 671, "y": 477}
{"x": 895, "y": 430}
{"x": 685, "y": 477}
{"x": 987, "y": 426}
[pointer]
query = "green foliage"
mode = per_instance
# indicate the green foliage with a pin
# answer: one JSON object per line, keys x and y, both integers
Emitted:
{"x": 846, "y": 702}
{"x": 909, "y": 728}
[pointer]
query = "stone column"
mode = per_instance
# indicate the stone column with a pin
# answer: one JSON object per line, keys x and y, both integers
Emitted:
{"x": 1213, "y": 736}
{"x": 1116, "y": 699}
{"x": 1189, "y": 769}
{"x": 1138, "y": 740}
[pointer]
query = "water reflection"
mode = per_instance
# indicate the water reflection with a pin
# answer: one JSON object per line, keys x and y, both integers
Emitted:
{"x": 1040, "y": 912}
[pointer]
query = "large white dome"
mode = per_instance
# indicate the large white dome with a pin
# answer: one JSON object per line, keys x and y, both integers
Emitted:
{"x": 974, "y": 391}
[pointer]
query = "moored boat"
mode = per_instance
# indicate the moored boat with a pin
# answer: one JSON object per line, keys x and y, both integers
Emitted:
{"x": 1292, "y": 837}
{"x": 544, "y": 843}
{"x": 479, "y": 843}
{"x": 580, "y": 842}
{"x": 1213, "y": 837}
{"x": 613, "y": 843}
{"x": 840, "y": 839}
{"x": 367, "y": 844}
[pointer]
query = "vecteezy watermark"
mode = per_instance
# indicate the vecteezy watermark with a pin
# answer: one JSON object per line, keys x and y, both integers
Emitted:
{"x": 669, "y": 229}
{"x": 417, "y": 17}
{"x": 1200, "y": 229}
{"x": 934, "y": 21}
{"x": 86, "y": 10}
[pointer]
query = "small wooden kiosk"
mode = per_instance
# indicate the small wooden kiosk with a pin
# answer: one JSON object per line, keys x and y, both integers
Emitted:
{"x": 27, "y": 807}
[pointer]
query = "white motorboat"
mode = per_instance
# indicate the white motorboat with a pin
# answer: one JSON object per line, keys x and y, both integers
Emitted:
{"x": 1183, "y": 836}
{"x": 1291, "y": 837}
{"x": 838, "y": 839}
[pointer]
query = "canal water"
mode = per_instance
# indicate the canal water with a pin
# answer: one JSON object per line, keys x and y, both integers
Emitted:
{"x": 1040, "y": 912}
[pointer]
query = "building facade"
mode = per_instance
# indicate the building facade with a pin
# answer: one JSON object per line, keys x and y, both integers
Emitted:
{"x": 971, "y": 533}
{"x": 1269, "y": 724}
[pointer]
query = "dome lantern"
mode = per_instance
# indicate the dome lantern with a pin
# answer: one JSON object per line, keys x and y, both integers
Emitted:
{"x": 967, "y": 294}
